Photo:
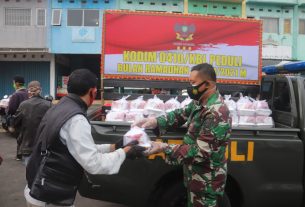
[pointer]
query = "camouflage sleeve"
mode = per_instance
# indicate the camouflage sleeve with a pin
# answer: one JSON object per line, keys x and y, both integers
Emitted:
{"x": 210, "y": 144}
{"x": 175, "y": 118}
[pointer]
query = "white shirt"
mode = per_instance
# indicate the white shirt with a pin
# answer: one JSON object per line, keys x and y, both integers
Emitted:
{"x": 95, "y": 159}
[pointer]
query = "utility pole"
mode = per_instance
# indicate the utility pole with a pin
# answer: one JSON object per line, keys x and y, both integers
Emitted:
{"x": 186, "y": 7}
{"x": 243, "y": 9}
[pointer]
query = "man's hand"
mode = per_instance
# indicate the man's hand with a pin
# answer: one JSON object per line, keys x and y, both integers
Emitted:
{"x": 135, "y": 152}
{"x": 119, "y": 144}
{"x": 146, "y": 123}
{"x": 156, "y": 147}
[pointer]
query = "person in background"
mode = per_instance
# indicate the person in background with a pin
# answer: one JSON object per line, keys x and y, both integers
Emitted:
{"x": 202, "y": 153}
{"x": 18, "y": 96}
{"x": 16, "y": 99}
{"x": 28, "y": 118}
{"x": 65, "y": 147}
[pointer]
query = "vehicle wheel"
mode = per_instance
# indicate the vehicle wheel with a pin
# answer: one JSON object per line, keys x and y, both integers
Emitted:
{"x": 173, "y": 196}
{"x": 225, "y": 202}
{"x": 176, "y": 196}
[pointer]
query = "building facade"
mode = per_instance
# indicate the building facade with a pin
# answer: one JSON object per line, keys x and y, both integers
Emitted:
{"x": 76, "y": 36}
{"x": 283, "y": 28}
{"x": 46, "y": 40}
{"x": 24, "y": 48}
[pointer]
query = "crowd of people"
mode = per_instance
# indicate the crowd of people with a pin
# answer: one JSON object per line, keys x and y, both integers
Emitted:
{"x": 56, "y": 146}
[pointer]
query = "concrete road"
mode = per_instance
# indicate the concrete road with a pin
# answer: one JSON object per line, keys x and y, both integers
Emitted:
{"x": 12, "y": 179}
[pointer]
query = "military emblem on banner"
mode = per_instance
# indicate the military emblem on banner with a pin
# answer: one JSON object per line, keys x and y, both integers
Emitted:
{"x": 184, "y": 33}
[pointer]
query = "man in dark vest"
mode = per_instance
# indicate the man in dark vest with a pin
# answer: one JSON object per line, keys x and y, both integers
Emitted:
{"x": 65, "y": 148}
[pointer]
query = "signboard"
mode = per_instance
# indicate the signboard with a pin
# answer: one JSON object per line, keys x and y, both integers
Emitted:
{"x": 162, "y": 46}
{"x": 277, "y": 52}
{"x": 83, "y": 34}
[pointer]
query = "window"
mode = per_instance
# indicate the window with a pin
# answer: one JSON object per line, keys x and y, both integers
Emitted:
{"x": 56, "y": 17}
{"x": 75, "y": 17}
{"x": 302, "y": 26}
{"x": 281, "y": 100}
{"x": 270, "y": 25}
{"x": 287, "y": 26}
{"x": 41, "y": 17}
{"x": 78, "y": 17}
{"x": 266, "y": 90}
{"x": 17, "y": 17}
{"x": 91, "y": 18}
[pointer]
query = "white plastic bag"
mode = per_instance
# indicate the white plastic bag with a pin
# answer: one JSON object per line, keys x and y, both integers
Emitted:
{"x": 120, "y": 105}
{"x": 245, "y": 106}
{"x": 247, "y": 121}
{"x": 154, "y": 107}
{"x": 231, "y": 104}
{"x": 172, "y": 104}
{"x": 115, "y": 116}
{"x": 264, "y": 121}
{"x": 133, "y": 116}
{"x": 137, "y": 104}
{"x": 155, "y": 103}
{"x": 235, "y": 119}
{"x": 262, "y": 108}
{"x": 139, "y": 134}
{"x": 186, "y": 102}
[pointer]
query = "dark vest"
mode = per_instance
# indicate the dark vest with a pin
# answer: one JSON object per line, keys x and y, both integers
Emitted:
{"x": 53, "y": 175}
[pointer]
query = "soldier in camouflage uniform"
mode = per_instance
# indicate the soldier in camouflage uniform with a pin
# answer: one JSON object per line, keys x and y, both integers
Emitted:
{"x": 202, "y": 153}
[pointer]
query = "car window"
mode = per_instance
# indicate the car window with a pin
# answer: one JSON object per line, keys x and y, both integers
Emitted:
{"x": 266, "y": 90}
{"x": 282, "y": 96}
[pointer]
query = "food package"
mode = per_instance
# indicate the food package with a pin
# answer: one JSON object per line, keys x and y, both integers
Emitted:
{"x": 231, "y": 104}
{"x": 245, "y": 106}
{"x": 133, "y": 116}
{"x": 155, "y": 107}
{"x": 136, "y": 133}
{"x": 264, "y": 121}
{"x": 186, "y": 102}
{"x": 262, "y": 108}
{"x": 171, "y": 105}
{"x": 235, "y": 119}
{"x": 246, "y": 121}
{"x": 120, "y": 105}
{"x": 137, "y": 104}
{"x": 115, "y": 116}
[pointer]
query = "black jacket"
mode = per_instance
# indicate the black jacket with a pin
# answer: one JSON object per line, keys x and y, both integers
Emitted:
{"x": 15, "y": 100}
{"x": 55, "y": 177}
{"x": 27, "y": 120}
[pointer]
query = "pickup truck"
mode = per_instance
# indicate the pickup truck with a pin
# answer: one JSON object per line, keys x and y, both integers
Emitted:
{"x": 265, "y": 165}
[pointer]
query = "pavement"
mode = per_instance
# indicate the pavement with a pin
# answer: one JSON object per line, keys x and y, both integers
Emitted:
{"x": 12, "y": 178}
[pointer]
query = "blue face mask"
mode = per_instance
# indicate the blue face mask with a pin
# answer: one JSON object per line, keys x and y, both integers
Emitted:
{"x": 193, "y": 91}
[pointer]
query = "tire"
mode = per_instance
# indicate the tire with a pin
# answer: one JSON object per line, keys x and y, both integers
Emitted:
{"x": 172, "y": 196}
{"x": 225, "y": 202}
{"x": 176, "y": 196}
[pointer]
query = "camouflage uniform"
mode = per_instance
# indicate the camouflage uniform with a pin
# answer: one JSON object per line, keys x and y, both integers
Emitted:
{"x": 203, "y": 150}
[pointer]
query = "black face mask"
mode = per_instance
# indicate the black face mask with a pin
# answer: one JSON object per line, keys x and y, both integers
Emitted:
{"x": 193, "y": 91}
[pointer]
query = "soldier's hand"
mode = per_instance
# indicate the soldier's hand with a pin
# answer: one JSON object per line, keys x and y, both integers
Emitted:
{"x": 146, "y": 123}
{"x": 156, "y": 147}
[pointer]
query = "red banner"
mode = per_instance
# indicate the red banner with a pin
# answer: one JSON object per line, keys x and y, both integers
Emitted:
{"x": 165, "y": 46}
